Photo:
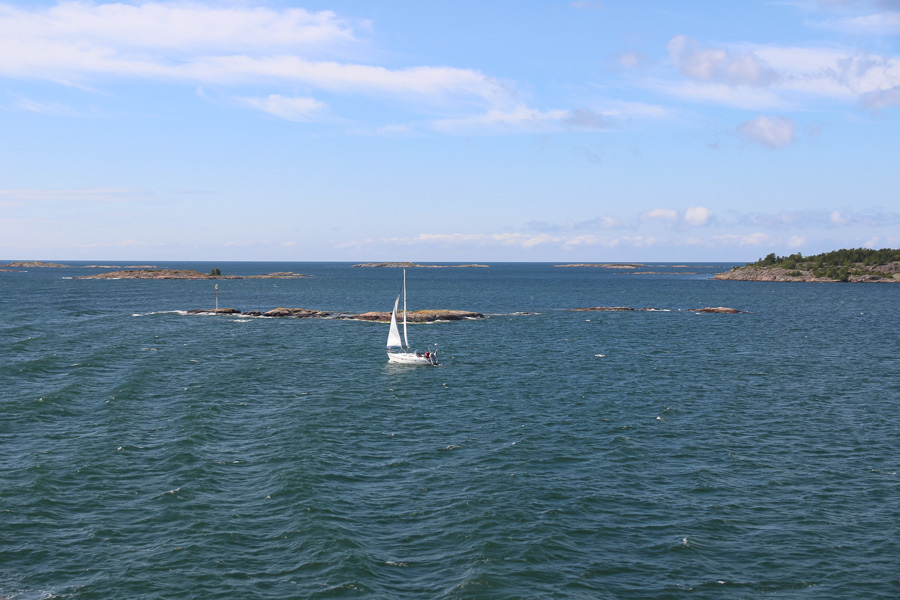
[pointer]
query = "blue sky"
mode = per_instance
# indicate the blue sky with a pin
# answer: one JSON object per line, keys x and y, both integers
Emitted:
{"x": 576, "y": 131}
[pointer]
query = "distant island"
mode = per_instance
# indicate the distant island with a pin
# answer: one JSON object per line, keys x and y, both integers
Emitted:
{"x": 416, "y": 316}
{"x": 606, "y": 265}
{"x": 185, "y": 274}
{"x": 861, "y": 265}
{"x": 409, "y": 265}
{"x": 31, "y": 264}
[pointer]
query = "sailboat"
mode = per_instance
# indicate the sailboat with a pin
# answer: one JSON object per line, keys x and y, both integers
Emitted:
{"x": 397, "y": 349}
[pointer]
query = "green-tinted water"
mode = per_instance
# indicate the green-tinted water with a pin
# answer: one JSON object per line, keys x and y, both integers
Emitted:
{"x": 555, "y": 454}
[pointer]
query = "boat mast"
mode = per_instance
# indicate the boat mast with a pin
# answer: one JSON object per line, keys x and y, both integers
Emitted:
{"x": 405, "y": 339}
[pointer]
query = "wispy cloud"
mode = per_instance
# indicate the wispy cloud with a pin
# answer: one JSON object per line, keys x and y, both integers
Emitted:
{"x": 292, "y": 109}
{"x": 763, "y": 77}
{"x": 880, "y": 23}
{"x": 86, "y": 195}
{"x": 45, "y": 108}
{"x": 771, "y": 132}
{"x": 522, "y": 119}
{"x": 75, "y": 42}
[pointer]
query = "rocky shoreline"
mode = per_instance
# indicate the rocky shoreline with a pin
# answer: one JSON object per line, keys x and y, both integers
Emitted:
{"x": 606, "y": 265}
{"x": 889, "y": 273}
{"x": 184, "y": 274}
{"x": 410, "y": 265}
{"x": 31, "y": 264}
{"x": 417, "y": 316}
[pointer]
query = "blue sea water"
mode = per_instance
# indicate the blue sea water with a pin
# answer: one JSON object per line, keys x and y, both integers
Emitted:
{"x": 146, "y": 453}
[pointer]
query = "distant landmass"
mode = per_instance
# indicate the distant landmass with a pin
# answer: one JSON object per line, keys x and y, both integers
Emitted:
{"x": 184, "y": 274}
{"x": 859, "y": 265}
{"x": 409, "y": 265}
{"x": 606, "y": 265}
{"x": 31, "y": 264}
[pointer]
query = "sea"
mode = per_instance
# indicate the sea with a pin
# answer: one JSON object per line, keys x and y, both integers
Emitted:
{"x": 148, "y": 453}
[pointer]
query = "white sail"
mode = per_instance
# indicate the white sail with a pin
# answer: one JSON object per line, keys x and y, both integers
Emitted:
{"x": 394, "y": 334}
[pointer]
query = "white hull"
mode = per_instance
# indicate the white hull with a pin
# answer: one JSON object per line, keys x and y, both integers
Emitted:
{"x": 411, "y": 358}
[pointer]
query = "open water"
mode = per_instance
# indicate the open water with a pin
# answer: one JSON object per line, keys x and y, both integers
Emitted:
{"x": 145, "y": 453}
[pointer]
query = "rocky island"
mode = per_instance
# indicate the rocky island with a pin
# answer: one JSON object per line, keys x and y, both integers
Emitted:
{"x": 416, "y": 316}
{"x": 410, "y": 265}
{"x": 606, "y": 265}
{"x": 859, "y": 265}
{"x": 184, "y": 274}
{"x": 30, "y": 264}
{"x": 420, "y": 316}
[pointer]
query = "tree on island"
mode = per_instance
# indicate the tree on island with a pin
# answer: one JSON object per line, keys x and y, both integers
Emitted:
{"x": 215, "y": 272}
{"x": 837, "y": 264}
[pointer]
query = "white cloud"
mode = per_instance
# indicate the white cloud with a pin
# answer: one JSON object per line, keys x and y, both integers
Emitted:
{"x": 170, "y": 27}
{"x": 698, "y": 216}
{"x": 884, "y": 23}
{"x": 694, "y": 216}
{"x": 795, "y": 241}
{"x": 293, "y": 109}
{"x": 661, "y": 214}
{"x": 839, "y": 218}
{"x": 752, "y": 239}
{"x": 771, "y": 132}
{"x": 74, "y": 42}
{"x": 719, "y": 65}
{"x": 763, "y": 77}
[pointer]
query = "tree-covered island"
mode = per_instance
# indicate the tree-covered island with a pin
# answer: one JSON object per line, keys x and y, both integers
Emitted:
{"x": 854, "y": 264}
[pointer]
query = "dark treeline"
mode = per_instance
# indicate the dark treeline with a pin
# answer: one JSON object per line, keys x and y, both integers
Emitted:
{"x": 838, "y": 264}
{"x": 836, "y": 258}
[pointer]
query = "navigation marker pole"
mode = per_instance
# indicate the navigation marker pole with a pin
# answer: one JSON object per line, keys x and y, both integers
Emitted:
{"x": 217, "y": 297}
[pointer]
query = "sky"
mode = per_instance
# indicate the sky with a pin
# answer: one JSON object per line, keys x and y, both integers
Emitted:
{"x": 448, "y": 131}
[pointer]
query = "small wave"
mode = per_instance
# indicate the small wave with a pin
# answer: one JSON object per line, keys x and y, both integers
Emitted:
{"x": 160, "y": 312}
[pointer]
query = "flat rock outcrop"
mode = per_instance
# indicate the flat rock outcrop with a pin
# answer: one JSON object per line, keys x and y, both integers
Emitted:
{"x": 296, "y": 313}
{"x": 718, "y": 309}
{"x": 606, "y": 265}
{"x": 183, "y": 274}
{"x": 30, "y": 264}
{"x": 409, "y": 265}
{"x": 608, "y": 308}
{"x": 419, "y": 316}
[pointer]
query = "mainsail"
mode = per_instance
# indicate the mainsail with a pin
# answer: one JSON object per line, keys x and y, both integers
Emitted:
{"x": 394, "y": 335}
